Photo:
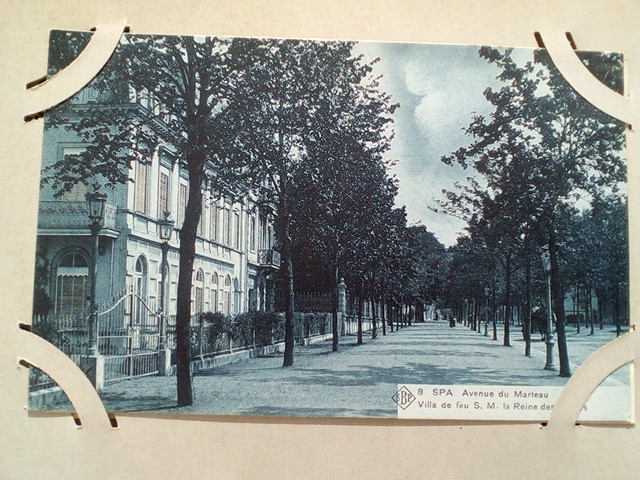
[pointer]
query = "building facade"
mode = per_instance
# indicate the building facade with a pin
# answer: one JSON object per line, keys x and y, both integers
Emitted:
{"x": 235, "y": 256}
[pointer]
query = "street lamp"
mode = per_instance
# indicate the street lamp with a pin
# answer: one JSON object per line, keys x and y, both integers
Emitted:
{"x": 96, "y": 203}
{"x": 165, "y": 227}
{"x": 549, "y": 340}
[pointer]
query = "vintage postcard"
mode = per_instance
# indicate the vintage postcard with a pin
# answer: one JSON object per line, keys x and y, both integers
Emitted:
{"x": 252, "y": 226}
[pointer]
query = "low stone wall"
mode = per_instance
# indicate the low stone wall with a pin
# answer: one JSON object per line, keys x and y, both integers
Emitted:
{"x": 241, "y": 355}
{"x": 48, "y": 398}
{"x": 228, "y": 358}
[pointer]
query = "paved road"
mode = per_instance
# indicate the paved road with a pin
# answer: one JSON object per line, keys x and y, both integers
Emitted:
{"x": 357, "y": 381}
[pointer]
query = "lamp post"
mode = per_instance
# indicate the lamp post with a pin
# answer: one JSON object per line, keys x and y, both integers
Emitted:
{"x": 549, "y": 340}
{"x": 96, "y": 202}
{"x": 165, "y": 229}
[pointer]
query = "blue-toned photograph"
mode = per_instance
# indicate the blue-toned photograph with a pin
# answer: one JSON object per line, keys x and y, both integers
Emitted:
{"x": 249, "y": 226}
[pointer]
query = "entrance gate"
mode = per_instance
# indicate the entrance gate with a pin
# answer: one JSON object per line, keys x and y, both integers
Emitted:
{"x": 129, "y": 338}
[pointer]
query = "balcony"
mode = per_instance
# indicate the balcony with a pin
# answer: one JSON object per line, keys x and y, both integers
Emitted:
{"x": 72, "y": 218}
{"x": 269, "y": 259}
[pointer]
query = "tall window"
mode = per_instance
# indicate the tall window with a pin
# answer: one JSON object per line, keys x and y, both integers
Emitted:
{"x": 143, "y": 97}
{"x": 236, "y": 229}
{"x": 164, "y": 195}
{"x": 203, "y": 217}
{"x": 157, "y": 108}
{"x": 72, "y": 277}
{"x": 79, "y": 190}
{"x": 214, "y": 292}
{"x": 224, "y": 225}
{"x": 227, "y": 294}
{"x": 140, "y": 287}
{"x": 199, "y": 292}
{"x": 213, "y": 221}
{"x": 236, "y": 295}
{"x": 228, "y": 220}
{"x": 264, "y": 233}
{"x": 252, "y": 234}
{"x": 140, "y": 278}
{"x": 182, "y": 203}
{"x": 142, "y": 187}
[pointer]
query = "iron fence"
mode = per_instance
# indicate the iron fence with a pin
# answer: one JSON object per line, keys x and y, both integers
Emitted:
{"x": 68, "y": 333}
{"x": 129, "y": 338}
{"x": 210, "y": 339}
{"x": 350, "y": 324}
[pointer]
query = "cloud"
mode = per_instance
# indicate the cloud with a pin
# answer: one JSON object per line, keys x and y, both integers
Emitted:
{"x": 438, "y": 88}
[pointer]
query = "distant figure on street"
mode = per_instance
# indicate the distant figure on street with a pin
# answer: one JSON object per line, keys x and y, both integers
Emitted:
{"x": 452, "y": 321}
{"x": 539, "y": 321}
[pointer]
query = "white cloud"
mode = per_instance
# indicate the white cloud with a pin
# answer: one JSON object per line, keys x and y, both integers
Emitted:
{"x": 438, "y": 88}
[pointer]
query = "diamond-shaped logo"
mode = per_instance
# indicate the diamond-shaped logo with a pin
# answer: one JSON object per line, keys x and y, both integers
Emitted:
{"x": 403, "y": 398}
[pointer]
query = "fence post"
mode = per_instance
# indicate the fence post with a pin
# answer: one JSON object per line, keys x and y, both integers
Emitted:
{"x": 164, "y": 353}
{"x": 201, "y": 336}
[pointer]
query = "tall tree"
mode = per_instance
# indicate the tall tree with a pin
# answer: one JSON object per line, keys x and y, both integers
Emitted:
{"x": 351, "y": 193}
{"x": 157, "y": 89}
{"x": 295, "y": 93}
{"x": 541, "y": 146}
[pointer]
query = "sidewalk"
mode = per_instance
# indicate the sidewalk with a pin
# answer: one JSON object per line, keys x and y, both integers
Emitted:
{"x": 357, "y": 381}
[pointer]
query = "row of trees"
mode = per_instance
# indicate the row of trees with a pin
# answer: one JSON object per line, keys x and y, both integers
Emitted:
{"x": 301, "y": 126}
{"x": 304, "y": 127}
{"x": 541, "y": 153}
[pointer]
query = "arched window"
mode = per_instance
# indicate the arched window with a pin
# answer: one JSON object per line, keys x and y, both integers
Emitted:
{"x": 140, "y": 277}
{"x": 72, "y": 278}
{"x": 167, "y": 282}
{"x": 214, "y": 292}
{"x": 226, "y": 296}
{"x": 199, "y": 292}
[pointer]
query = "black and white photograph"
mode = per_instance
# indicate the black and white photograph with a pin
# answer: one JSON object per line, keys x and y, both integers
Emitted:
{"x": 288, "y": 227}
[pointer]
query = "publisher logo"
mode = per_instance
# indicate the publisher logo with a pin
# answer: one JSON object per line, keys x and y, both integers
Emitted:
{"x": 403, "y": 398}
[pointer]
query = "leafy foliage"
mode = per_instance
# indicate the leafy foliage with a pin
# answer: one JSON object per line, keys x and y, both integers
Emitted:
{"x": 541, "y": 150}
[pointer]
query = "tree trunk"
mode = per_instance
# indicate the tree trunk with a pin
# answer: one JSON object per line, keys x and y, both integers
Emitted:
{"x": 507, "y": 301}
{"x": 360, "y": 312}
{"x": 600, "y": 295}
{"x": 374, "y": 323}
{"x": 467, "y": 319}
{"x": 557, "y": 294}
{"x": 616, "y": 308}
{"x": 383, "y": 313}
{"x": 589, "y": 312}
{"x": 493, "y": 312}
{"x": 577, "y": 308}
{"x": 188, "y": 233}
{"x": 334, "y": 318}
{"x": 526, "y": 329}
{"x": 287, "y": 273}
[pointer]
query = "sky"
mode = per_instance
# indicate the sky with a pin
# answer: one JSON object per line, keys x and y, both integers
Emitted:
{"x": 438, "y": 87}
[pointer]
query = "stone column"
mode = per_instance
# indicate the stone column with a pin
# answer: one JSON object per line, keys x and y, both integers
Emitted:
{"x": 342, "y": 305}
{"x": 342, "y": 297}
{"x": 93, "y": 367}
